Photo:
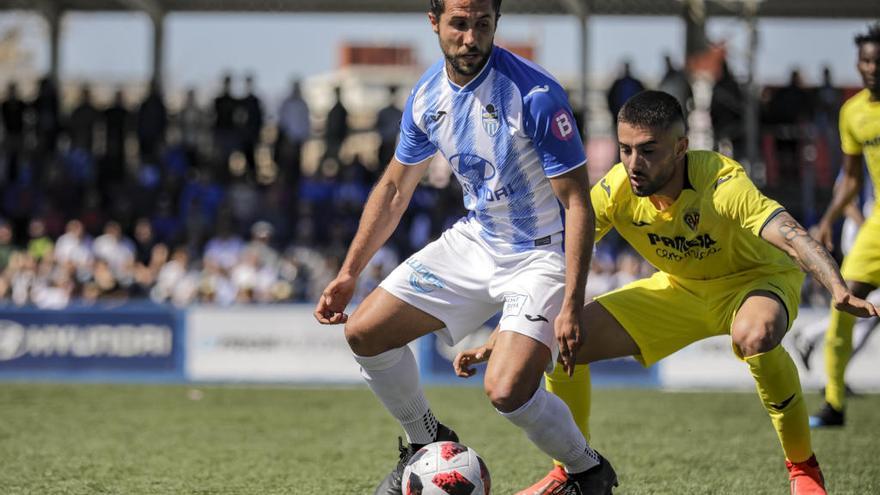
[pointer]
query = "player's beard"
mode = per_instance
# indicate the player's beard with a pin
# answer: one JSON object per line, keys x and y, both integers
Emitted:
{"x": 651, "y": 186}
{"x": 465, "y": 69}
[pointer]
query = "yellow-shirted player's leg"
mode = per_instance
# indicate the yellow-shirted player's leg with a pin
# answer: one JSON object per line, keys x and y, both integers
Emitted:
{"x": 768, "y": 307}
{"x": 838, "y": 350}
{"x": 575, "y": 391}
{"x": 779, "y": 387}
{"x": 861, "y": 270}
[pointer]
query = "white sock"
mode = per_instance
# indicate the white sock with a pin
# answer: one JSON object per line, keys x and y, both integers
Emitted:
{"x": 550, "y": 426}
{"x": 394, "y": 377}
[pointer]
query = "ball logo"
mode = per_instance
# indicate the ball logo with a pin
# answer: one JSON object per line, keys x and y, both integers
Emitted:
{"x": 474, "y": 169}
{"x": 11, "y": 340}
{"x": 562, "y": 127}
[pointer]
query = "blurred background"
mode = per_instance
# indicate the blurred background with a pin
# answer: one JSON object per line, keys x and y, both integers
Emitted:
{"x": 180, "y": 179}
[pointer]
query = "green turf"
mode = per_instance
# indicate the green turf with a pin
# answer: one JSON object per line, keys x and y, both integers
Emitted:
{"x": 99, "y": 439}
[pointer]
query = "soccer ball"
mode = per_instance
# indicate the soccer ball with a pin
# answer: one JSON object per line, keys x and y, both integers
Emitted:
{"x": 446, "y": 468}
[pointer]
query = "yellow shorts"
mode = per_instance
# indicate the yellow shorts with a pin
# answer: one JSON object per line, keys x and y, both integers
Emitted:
{"x": 862, "y": 263}
{"x": 664, "y": 314}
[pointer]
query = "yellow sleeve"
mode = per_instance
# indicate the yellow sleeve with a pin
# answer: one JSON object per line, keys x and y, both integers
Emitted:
{"x": 848, "y": 142}
{"x": 600, "y": 195}
{"x": 737, "y": 198}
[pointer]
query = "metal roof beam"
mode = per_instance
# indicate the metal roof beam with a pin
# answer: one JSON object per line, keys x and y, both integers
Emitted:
{"x": 151, "y": 7}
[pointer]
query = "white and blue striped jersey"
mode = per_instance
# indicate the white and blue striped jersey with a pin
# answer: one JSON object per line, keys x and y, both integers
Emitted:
{"x": 504, "y": 133}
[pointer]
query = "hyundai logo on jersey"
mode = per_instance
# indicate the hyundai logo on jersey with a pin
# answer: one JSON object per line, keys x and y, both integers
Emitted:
{"x": 472, "y": 168}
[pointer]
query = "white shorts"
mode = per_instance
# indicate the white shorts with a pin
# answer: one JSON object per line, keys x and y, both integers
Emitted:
{"x": 462, "y": 281}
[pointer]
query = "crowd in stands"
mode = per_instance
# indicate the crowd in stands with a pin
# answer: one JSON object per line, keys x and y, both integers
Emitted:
{"x": 120, "y": 202}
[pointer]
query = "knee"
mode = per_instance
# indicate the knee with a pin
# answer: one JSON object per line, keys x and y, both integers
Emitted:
{"x": 361, "y": 339}
{"x": 755, "y": 336}
{"x": 504, "y": 394}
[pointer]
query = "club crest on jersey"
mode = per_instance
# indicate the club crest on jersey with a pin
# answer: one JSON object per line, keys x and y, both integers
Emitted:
{"x": 490, "y": 120}
{"x": 692, "y": 219}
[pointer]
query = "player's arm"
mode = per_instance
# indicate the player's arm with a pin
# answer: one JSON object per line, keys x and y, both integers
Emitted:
{"x": 784, "y": 232}
{"x": 572, "y": 190}
{"x": 846, "y": 190}
{"x": 382, "y": 212}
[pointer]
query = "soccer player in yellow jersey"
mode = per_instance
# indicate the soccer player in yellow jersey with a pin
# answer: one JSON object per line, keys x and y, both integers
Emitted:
{"x": 728, "y": 264}
{"x": 859, "y": 135}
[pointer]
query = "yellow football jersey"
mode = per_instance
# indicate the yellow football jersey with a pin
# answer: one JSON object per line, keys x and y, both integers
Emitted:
{"x": 860, "y": 133}
{"x": 711, "y": 231}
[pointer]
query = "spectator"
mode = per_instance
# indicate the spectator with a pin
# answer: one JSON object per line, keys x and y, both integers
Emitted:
{"x": 336, "y": 127}
{"x": 117, "y": 124}
{"x": 54, "y": 292}
{"x": 727, "y": 113}
{"x": 83, "y": 121}
{"x": 215, "y": 285}
{"x": 294, "y": 130}
{"x": 224, "y": 248}
{"x": 46, "y": 116}
{"x": 144, "y": 241}
{"x": 40, "y": 245}
{"x": 152, "y": 121}
{"x": 675, "y": 82}
{"x": 252, "y": 111}
{"x": 192, "y": 121}
{"x": 115, "y": 249}
{"x": 74, "y": 247}
{"x": 828, "y": 100}
{"x": 175, "y": 282}
{"x": 6, "y": 245}
{"x": 788, "y": 109}
{"x": 12, "y": 109}
{"x": 226, "y": 137}
{"x": 261, "y": 244}
{"x": 388, "y": 126}
{"x": 621, "y": 90}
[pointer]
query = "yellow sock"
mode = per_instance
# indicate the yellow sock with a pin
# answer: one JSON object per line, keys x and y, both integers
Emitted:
{"x": 779, "y": 388}
{"x": 838, "y": 350}
{"x": 575, "y": 392}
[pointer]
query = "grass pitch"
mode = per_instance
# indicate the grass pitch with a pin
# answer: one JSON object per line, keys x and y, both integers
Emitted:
{"x": 110, "y": 439}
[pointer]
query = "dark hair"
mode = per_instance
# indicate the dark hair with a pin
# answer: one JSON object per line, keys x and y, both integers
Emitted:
{"x": 651, "y": 109}
{"x": 872, "y": 36}
{"x": 439, "y": 6}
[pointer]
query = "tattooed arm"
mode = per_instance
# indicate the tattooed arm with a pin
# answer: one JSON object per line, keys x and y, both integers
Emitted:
{"x": 784, "y": 232}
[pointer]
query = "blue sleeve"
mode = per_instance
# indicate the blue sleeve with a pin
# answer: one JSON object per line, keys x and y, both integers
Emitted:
{"x": 550, "y": 123}
{"x": 413, "y": 146}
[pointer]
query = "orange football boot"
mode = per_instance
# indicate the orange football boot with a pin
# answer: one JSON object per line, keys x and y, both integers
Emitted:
{"x": 806, "y": 477}
{"x": 554, "y": 479}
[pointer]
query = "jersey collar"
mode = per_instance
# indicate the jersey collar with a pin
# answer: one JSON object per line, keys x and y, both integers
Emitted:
{"x": 687, "y": 176}
{"x": 476, "y": 81}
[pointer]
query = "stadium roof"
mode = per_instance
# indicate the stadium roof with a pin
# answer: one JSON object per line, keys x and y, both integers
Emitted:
{"x": 766, "y": 8}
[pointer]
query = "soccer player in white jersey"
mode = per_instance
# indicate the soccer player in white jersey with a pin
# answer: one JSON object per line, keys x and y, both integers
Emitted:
{"x": 506, "y": 128}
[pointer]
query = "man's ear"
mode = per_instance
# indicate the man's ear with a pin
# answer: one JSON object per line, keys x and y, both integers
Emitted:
{"x": 435, "y": 22}
{"x": 682, "y": 146}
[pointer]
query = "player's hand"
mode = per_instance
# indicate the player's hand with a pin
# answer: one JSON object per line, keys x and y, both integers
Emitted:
{"x": 465, "y": 360}
{"x": 336, "y": 296}
{"x": 824, "y": 233}
{"x": 846, "y": 301}
{"x": 569, "y": 335}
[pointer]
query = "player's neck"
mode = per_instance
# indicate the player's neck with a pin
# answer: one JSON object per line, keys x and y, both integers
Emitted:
{"x": 458, "y": 78}
{"x": 667, "y": 194}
